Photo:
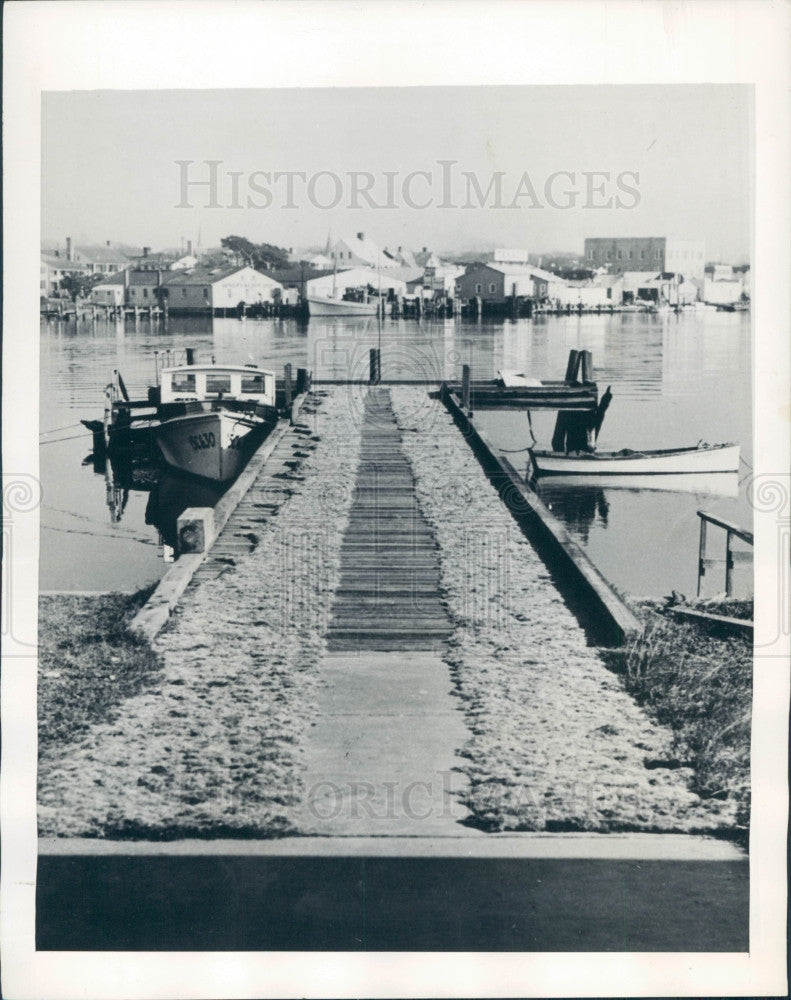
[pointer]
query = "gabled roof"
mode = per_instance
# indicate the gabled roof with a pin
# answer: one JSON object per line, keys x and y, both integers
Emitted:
{"x": 524, "y": 269}
{"x": 52, "y": 260}
{"x": 101, "y": 255}
{"x": 117, "y": 278}
{"x": 405, "y": 273}
{"x": 204, "y": 275}
{"x": 295, "y": 275}
{"x": 364, "y": 248}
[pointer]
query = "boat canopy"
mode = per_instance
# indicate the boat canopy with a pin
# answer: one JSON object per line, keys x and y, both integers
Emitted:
{"x": 186, "y": 383}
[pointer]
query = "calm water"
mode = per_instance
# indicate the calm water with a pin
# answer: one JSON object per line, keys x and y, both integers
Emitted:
{"x": 675, "y": 380}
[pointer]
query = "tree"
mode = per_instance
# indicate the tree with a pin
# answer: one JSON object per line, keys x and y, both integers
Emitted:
{"x": 78, "y": 286}
{"x": 261, "y": 256}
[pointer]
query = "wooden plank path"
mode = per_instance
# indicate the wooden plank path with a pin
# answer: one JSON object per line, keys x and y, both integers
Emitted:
{"x": 389, "y": 594}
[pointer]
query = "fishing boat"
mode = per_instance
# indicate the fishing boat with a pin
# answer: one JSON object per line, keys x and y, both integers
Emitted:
{"x": 212, "y": 416}
{"x": 698, "y": 459}
{"x": 321, "y": 305}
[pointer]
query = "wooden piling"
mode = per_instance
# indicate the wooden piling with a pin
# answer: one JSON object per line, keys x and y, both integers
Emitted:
{"x": 375, "y": 366}
{"x": 287, "y": 385}
{"x": 465, "y": 388}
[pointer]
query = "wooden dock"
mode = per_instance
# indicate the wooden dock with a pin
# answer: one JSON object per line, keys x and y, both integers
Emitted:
{"x": 388, "y": 597}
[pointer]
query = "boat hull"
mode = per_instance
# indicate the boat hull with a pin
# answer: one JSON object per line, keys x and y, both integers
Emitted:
{"x": 719, "y": 484}
{"x": 318, "y": 306}
{"x": 719, "y": 458}
{"x": 214, "y": 445}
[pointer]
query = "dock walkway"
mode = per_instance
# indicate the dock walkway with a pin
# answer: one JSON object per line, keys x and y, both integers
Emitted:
{"x": 381, "y": 757}
{"x": 388, "y": 597}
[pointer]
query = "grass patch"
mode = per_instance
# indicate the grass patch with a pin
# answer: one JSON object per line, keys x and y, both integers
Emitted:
{"x": 700, "y": 685}
{"x": 88, "y": 663}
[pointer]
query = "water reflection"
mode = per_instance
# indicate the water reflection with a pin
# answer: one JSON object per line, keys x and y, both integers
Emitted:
{"x": 675, "y": 379}
{"x": 169, "y": 494}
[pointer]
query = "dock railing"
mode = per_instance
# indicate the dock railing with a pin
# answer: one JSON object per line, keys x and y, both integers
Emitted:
{"x": 732, "y": 556}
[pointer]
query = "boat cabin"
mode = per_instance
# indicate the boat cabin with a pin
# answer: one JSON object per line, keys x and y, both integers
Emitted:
{"x": 199, "y": 383}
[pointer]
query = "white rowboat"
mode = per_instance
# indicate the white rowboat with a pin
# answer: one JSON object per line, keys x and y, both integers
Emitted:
{"x": 719, "y": 484}
{"x": 703, "y": 458}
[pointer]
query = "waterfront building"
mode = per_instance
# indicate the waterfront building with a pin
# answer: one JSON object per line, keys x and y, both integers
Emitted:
{"x": 53, "y": 269}
{"x": 105, "y": 259}
{"x": 493, "y": 282}
{"x": 646, "y": 253}
{"x": 206, "y": 290}
{"x": 110, "y": 291}
{"x": 723, "y": 291}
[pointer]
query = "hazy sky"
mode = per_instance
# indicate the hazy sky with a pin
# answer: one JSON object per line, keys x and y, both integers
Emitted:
{"x": 683, "y": 155}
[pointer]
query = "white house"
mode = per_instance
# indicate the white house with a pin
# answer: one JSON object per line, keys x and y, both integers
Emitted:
{"x": 360, "y": 251}
{"x": 718, "y": 292}
{"x": 201, "y": 289}
{"x": 110, "y": 291}
{"x": 53, "y": 269}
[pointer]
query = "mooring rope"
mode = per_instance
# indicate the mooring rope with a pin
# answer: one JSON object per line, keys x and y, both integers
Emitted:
{"x": 56, "y": 429}
{"x": 61, "y": 440}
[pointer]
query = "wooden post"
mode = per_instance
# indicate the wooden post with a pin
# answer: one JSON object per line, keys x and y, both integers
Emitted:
{"x": 701, "y": 551}
{"x": 728, "y": 564}
{"x": 586, "y": 366}
{"x": 465, "y": 388}
{"x": 301, "y": 380}
{"x": 563, "y": 422}
{"x": 374, "y": 366}
{"x": 572, "y": 367}
{"x": 287, "y": 388}
{"x": 195, "y": 529}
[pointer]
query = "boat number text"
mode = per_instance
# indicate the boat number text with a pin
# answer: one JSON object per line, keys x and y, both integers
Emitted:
{"x": 201, "y": 441}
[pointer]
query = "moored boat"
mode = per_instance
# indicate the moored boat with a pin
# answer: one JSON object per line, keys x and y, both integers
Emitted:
{"x": 212, "y": 416}
{"x": 715, "y": 484}
{"x": 321, "y": 305}
{"x": 698, "y": 459}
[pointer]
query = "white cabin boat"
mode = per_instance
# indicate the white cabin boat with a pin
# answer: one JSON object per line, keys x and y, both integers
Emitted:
{"x": 702, "y": 458}
{"x": 212, "y": 416}
{"x": 326, "y": 305}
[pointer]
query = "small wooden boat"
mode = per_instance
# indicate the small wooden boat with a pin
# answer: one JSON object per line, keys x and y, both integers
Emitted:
{"x": 212, "y": 416}
{"x": 714, "y": 484}
{"x": 701, "y": 458}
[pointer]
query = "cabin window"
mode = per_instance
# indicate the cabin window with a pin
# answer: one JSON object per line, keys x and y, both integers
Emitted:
{"x": 183, "y": 293}
{"x": 491, "y": 286}
{"x": 620, "y": 254}
{"x": 145, "y": 293}
{"x": 218, "y": 383}
{"x": 478, "y": 289}
{"x": 205, "y": 293}
{"x": 642, "y": 255}
{"x": 254, "y": 383}
{"x": 182, "y": 382}
{"x": 590, "y": 255}
{"x": 658, "y": 254}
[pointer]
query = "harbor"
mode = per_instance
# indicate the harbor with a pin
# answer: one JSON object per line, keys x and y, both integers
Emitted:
{"x": 360, "y": 637}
